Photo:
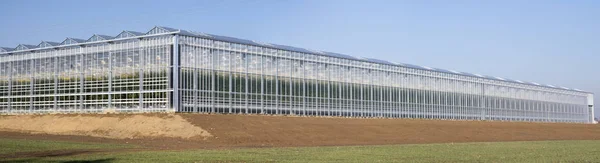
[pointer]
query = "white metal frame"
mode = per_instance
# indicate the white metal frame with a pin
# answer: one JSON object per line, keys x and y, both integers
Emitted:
{"x": 175, "y": 70}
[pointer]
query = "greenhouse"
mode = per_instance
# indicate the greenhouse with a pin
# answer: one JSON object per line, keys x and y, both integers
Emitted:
{"x": 173, "y": 70}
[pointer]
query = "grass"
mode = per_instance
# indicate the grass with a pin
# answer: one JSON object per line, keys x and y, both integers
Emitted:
{"x": 539, "y": 151}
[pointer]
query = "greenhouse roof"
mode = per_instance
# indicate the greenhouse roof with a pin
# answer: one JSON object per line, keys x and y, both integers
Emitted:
{"x": 69, "y": 41}
{"x": 97, "y": 37}
{"x": 25, "y": 47}
{"x": 44, "y": 44}
{"x": 5, "y": 49}
{"x": 160, "y": 30}
{"x": 127, "y": 34}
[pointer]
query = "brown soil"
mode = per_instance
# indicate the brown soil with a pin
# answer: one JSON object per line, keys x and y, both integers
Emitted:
{"x": 234, "y": 131}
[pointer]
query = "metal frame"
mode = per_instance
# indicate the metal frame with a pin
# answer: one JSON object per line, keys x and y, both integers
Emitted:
{"x": 177, "y": 70}
{"x": 465, "y": 98}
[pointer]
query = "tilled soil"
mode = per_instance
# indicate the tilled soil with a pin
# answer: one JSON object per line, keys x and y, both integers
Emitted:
{"x": 241, "y": 131}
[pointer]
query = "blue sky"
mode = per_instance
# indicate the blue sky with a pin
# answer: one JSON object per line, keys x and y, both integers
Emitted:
{"x": 550, "y": 42}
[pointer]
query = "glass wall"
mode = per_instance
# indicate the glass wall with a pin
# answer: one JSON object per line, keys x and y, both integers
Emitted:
{"x": 224, "y": 77}
{"x": 124, "y": 76}
{"x": 134, "y": 75}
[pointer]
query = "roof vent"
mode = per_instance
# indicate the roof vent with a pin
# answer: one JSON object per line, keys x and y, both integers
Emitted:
{"x": 262, "y": 43}
{"x": 429, "y": 68}
{"x": 396, "y": 63}
{"x": 315, "y": 51}
{"x": 200, "y": 34}
{"x": 454, "y": 71}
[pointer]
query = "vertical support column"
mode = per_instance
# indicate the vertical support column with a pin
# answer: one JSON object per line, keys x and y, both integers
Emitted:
{"x": 482, "y": 103}
{"x": 275, "y": 60}
{"x": 246, "y": 83}
{"x": 431, "y": 103}
{"x": 304, "y": 89}
{"x": 371, "y": 85}
{"x": 456, "y": 99}
{"x": 461, "y": 96}
{"x": 380, "y": 101}
{"x": 196, "y": 92}
{"x": 412, "y": 96}
{"x": 546, "y": 108}
{"x": 351, "y": 96}
{"x": 213, "y": 75}
{"x": 317, "y": 98}
{"x": 328, "y": 92}
{"x": 340, "y": 85}
{"x": 262, "y": 84}
{"x": 343, "y": 96}
{"x": 362, "y": 99}
{"x": 142, "y": 53}
{"x": 390, "y": 105}
{"x": 398, "y": 91}
{"x": 56, "y": 81}
{"x": 450, "y": 99}
{"x": 81, "y": 79}
{"x": 175, "y": 76}
{"x": 10, "y": 81}
{"x": 421, "y": 96}
{"x": 110, "y": 74}
{"x": 31, "y": 82}
{"x": 291, "y": 100}
{"x": 437, "y": 98}
{"x": 229, "y": 98}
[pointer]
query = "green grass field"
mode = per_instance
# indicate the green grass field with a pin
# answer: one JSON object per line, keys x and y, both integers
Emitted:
{"x": 540, "y": 151}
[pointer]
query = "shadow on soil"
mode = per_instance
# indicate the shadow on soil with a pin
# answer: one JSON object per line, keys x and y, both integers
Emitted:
{"x": 38, "y": 156}
{"x": 73, "y": 161}
{"x": 57, "y": 153}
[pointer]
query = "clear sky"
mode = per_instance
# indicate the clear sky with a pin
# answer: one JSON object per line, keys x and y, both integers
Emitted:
{"x": 549, "y": 42}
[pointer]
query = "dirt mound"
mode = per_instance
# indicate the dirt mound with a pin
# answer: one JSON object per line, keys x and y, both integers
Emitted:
{"x": 107, "y": 126}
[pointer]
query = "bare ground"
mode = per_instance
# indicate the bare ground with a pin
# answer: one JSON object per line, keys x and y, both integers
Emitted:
{"x": 115, "y": 126}
{"x": 240, "y": 131}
